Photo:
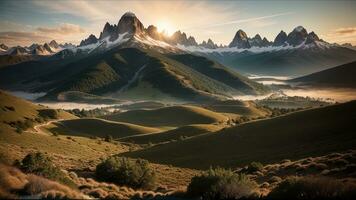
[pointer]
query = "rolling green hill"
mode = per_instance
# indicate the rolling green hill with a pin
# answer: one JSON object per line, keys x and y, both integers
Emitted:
{"x": 100, "y": 128}
{"x": 306, "y": 133}
{"x": 175, "y": 134}
{"x": 123, "y": 69}
{"x": 340, "y": 76}
{"x": 247, "y": 108}
{"x": 17, "y": 113}
{"x": 169, "y": 116}
{"x": 63, "y": 148}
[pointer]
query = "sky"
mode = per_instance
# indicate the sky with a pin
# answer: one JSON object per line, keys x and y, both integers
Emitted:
{"x": 23, "y": 22}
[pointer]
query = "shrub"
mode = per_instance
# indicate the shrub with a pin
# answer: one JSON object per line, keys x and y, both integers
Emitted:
{"x": 253, "y": 167}
{"x": 221, "y": 184}
{"x": 123, "y": 171}
{"x": 39, "y": 164}
{"x": 48, "y": 113}
{"x": 313, "y": 188}
{"x": 108, "y": 138}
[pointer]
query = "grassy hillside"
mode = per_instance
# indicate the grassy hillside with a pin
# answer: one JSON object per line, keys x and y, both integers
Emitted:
{"x": 306, "y": 133}
{"x": 180, "y": 133}
{"x": 100, "y": 128}
{"x": 169, "y": 116}
{"x": 123, "y": 69}
{"x": 15, "y": 59}
{"x": 81, "y": 97}
{"x": 340, "y": 76}
{"x": 16, "y": 113}
{"x": 65, "y": 150}
{"x": 220, "y": 73}
{"x": 248, "y": 109}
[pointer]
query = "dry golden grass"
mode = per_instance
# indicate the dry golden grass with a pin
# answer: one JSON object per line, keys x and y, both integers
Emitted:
{"x": 14, "y": 184}
{"x": 173, "y": 116}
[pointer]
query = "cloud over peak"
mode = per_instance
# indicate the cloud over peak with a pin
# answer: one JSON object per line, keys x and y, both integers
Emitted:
{"x": 64, "y": 28}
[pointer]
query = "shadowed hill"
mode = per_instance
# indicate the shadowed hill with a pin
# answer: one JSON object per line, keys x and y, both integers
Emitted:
{"x": 306, "y": 133}
{"x": 340, "y": 76}
{"x": 175, "y": 134}
{"x": 169, "y": 116}
{"x": 102, "y": 128}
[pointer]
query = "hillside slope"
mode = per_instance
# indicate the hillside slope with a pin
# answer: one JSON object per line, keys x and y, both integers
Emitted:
{"x": 119, "y": 70}
{"x": 285, "y": 62}
{"x": 101, "y": 128}
{"x": 175, "y": 134}
{"x": 169, "y": 116}
{"x": 340, "y": 76}
{"x": 305, "y": 133}
{"x": 17, "y": 113}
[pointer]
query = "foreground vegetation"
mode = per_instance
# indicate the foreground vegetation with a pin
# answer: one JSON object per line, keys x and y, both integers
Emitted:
{"x": 78, "y": 161}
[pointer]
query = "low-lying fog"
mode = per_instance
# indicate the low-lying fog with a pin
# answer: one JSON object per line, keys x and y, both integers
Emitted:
{"x": 337, "y": 94}
{"x": 71, "y": 105}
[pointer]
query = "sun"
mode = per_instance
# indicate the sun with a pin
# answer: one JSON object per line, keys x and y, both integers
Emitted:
{"x": 165, "y": 27}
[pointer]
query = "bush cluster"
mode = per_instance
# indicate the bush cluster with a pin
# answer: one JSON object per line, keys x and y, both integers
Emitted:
{"x": 89, "y": 113}
{"x": 252, "y": 167}
{"x": 221, "y": 184}
{"x": 41, "y": 165}
{"x": 122, "y": 171}
{"x": 48, "y": 114}
{"x": 22, "y": 126}
{"x": 313, "y": 188}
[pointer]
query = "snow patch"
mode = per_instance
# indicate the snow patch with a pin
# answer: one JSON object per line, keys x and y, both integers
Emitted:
{"x": 317, "y": 44}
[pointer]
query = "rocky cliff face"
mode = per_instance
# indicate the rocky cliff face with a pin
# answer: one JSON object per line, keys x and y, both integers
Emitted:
{"x": 297, "y": 36}
{"x": 181, "y": 38}
{"x": 281, "y": 39}
{"x": 240, "y": 40}
{"x": 90, "y": 40}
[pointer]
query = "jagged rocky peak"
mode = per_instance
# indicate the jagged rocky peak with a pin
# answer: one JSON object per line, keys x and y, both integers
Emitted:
{"x": 181, "y": 38}
{"x": 54, "y": 44}
{"x": 40, "y": 50}
{"x": 152, "y": 31}
{"x": 240, "y": 40}
{"x": 90, "y": 40}
{"x": 210, "y": 44}
{"x": 109, "y": 31}
{"x": 257, "y": 37}
{"x": 48, "y": 48}
{"x": 130, "y": 24}
{"x": 18, "y": 51}
{"x": 297, "y": 36}
{"x": 33, "y": 46}
{"x": 266, "y": 42}
{"x": 312, "y": 38}
{"x": 281, "y": 39}
{"x": 256, "y": 41}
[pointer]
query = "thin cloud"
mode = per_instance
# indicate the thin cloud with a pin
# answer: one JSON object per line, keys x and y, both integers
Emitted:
{"x": 342, "y": 35}
{"x": 345, "y": 31}
{"x": 254, "y": 19}
{"x": 64, "y": 28}
{"x": 63, "y": 33}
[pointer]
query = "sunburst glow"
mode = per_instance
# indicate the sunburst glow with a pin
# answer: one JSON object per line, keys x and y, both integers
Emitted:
{"x": 165, "y": 27}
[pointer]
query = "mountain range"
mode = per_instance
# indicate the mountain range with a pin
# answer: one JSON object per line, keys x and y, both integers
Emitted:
{"x": 35, "y": 49}
{"x": 128, "y": 60}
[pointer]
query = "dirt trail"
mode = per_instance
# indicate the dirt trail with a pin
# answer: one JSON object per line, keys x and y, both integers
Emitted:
{"x": 38, "y": 127}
